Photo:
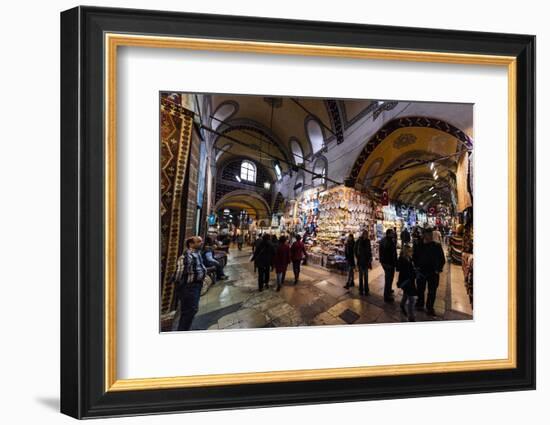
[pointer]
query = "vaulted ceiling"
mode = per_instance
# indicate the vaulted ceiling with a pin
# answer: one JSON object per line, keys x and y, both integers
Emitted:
{"x": 267, "y": 125}
{"x": 402, "y": 162}
{"x": 415, "y": 165}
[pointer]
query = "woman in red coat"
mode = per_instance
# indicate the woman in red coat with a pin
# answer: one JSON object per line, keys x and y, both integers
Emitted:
{"x": 297, "y": 254}
{"x": 281, "y": 260}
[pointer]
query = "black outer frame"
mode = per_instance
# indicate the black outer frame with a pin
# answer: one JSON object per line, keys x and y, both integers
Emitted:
{"x": 82, "y": 219}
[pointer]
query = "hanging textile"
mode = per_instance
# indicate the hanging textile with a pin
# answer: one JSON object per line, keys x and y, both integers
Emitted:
{"x": 464, "y": 200}
{"x": 175, "y": 140}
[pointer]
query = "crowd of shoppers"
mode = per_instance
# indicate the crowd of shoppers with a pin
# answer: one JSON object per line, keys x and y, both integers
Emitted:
{"x": 418, "y": 265}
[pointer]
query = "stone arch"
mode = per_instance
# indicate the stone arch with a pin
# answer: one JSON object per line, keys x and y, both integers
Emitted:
{"x": 403, "y": 122}
{"x": 245, "y": 197}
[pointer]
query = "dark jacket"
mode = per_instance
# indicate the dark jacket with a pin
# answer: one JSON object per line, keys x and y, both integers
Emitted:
{"x": 263, "y": 255}
{"x": 363, "y": 252}
{"x": 388, "y": 252}
{"x": 257, "y": 243}
{"x": 407, "y": 275}
{"x": 428, "y": 257}
{"x": 349, "y": 252}
{"x": 405, "y": 236}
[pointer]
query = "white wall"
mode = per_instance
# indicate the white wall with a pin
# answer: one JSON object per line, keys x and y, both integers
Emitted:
{"x": 29, "y": 171}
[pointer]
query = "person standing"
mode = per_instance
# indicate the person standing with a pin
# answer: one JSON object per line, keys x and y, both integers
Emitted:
{"x": 405, "y": 237}
{"x": 388, "y": 259}
{"x": 349, "y": 252}
{"x": 255, "y": 246}
{"x": 274, "y": 241}
{"x": 429, "y": 259}
{"x": 263, "y": 257}
{"x": 240, "y": 240}
{"x": 281, "y": 261}
{"x": 189, "y": 278}
{"x": 363, "y": 255}
{"x": 437, "y": 236}
{"x": 297, "y": 254}
{"x": 406, "y": 281}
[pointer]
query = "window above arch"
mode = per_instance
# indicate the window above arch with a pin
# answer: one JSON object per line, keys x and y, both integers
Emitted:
{"x": 297, "y": 152}
{"x": 248, "y": 171}
{"x": 278, "y": 171}
{"x": 320, "y": 170}
{"x": 223, "y": 112}
{"x": 315, "y": 135}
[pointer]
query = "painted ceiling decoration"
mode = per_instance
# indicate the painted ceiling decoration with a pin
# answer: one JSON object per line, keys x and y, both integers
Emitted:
{"x": 289, "y": 135}
{"x": 354, "y": 110}
{"x": 383, "y": 106}
{"x": 406, "y": 122}
{"x": 403, "y": 140}
{"x": 335, "y": 115}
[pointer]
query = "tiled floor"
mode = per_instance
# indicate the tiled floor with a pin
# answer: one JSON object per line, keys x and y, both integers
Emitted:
{"x": 318, "y": 299}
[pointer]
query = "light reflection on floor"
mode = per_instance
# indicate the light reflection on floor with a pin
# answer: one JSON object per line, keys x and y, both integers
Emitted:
{"x": 319, "y": 299}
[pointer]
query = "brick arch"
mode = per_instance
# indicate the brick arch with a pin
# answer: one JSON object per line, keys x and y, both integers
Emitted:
{"x": 404, "y": 122}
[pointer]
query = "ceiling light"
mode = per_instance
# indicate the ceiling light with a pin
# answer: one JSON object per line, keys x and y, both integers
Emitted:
{"x": 431, "y": 188}
{"x": 421, "y": 203}
{"x": 432, "y": 166}
{"x": 434, "y": 195}
{"x": 237, "y": 178}
{"x": 267, "y": 185}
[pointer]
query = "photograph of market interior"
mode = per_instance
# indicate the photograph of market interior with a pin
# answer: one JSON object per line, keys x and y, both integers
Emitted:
{"x": 296, "y": 211}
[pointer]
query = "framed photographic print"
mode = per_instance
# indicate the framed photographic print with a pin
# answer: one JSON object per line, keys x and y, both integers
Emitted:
{"x": 261, "y": 212}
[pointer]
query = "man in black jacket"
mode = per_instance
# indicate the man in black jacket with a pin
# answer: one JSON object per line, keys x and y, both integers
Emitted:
{"x": 405, "y": 237}
{"x": 388, "y": 259}
{"x": 263, "y": 257}
{"x": 349, "y": 252}
{"x": 363, "y": 254}
{"x": 429, "y": 260}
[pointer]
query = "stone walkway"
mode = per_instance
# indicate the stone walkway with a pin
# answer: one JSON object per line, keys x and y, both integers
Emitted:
{"x": 318, "y": 299}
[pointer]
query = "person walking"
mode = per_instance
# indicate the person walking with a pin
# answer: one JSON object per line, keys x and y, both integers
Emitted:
{"x": 274, "y": 241}
{"x": 349, "y": 252}
{"x": 263, "y": 257}
{"x": 189, "y": 278}
{"x": 388, "y": 259}
{"x": 281, "y": 261}
{"x": 406, "y": 282}
{"x": 405, "y": 237}
{"x": 297, "y": 254}
{"x": 437, "y": 236}
{"x": 429, "y": 259}
{"x": 240, "y": 241}
{"x": 363, "y": 255}
{"x": 255, "y": 246}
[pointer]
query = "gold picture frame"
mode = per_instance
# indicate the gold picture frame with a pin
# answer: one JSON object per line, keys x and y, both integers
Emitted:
{"x": 91, "y": 39}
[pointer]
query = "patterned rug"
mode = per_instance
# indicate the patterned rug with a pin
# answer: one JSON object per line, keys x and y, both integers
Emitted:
{"x": 175, "y": 137}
